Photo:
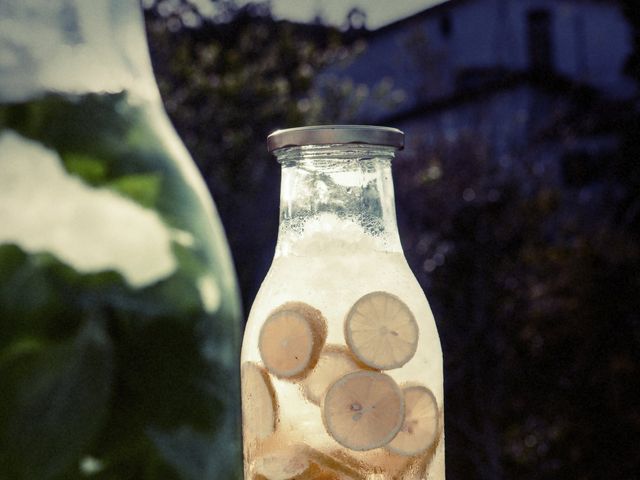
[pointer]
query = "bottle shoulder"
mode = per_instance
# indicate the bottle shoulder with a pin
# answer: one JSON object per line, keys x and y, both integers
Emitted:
{"x": 334, "y": 283}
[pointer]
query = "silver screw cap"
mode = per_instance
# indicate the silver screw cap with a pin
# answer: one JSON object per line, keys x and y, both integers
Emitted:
{"x": 335, "y": 134}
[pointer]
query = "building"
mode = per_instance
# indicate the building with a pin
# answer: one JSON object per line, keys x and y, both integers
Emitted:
{"x": 506, "y": 71}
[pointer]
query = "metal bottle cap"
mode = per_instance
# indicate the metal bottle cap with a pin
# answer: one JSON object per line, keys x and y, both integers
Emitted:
{"x": 335, "y": 134}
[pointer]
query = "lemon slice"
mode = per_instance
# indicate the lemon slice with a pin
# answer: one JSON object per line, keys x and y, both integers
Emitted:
{"x": 259, "y": 405}
{"x": 420, "y": 426}
{"x": 291, "y": 339}
{"x": 300, "y": 462}
{"x": 420, "y": 465}
{"x": 283, "y": 465}
{"x": 381, "y": 331}
{"x": 335, "y": 361}
{"x": 363, "y": 410}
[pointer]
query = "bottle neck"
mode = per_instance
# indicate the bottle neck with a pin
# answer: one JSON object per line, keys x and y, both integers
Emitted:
{"x": 336, "y": 199}
{"x": 73, "y": 47}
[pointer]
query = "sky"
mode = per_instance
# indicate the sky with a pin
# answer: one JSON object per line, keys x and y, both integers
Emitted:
{"x": 379, "y": 12}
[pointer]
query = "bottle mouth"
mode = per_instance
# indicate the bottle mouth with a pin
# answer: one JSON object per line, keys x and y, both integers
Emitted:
{"x": 336, "y": 135}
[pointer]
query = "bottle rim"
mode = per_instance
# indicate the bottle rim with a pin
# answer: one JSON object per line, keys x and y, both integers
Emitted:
{"x": 335, "y": 135}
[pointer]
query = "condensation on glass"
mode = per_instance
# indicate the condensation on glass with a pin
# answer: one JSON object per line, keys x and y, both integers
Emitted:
{"x": 341, "y": 360}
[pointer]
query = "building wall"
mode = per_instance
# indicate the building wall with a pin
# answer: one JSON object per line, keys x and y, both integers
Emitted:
{"x": 512, "y": 129}
{"x": 447, "y": 48}
{"x": 591, "y": 41}
{"x": 501, "y": 121}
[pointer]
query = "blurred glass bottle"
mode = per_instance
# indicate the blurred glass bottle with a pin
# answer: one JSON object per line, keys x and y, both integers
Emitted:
{"x": 119, "y": 312}
{"x": 341, "y": 359}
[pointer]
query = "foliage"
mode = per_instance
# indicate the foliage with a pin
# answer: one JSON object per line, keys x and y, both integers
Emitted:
{"x": 533, "y": 277}
{"x": 227, "y": 84}
{"x": 92, "y": 368}
{"x": 534, "y": 291}
{"x": 626, "y": 165}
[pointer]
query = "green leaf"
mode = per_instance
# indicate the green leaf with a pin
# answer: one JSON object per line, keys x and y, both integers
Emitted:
{"x": 53, "y": 399}
{"x": 30, "y": 303}
{"x": 168, "y": 377}
{"x": 90, "y": 169}
{"x": 143, "y": 188}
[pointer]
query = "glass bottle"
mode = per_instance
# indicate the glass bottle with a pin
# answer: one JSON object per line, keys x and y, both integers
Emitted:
{"x": 341, "y": 360}
{"x": 119, "y": 310}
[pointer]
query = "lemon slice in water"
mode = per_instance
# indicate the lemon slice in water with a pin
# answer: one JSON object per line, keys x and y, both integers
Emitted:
{"x": 335, "y": 361}
{"x": 420, "y": 426}
{"x": 381, "y": 331}
{"x": 282, "y": 465}
{"x": 363, "y": 410}
{"x": 259, "y": 405}
{"x": 291, "y": 340}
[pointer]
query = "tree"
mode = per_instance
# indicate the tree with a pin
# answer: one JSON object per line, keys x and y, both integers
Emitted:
{"x": 627, "y": 168}
{"x": 227, "y": 81}
{"x": 536, "y": 307}
{"x": 534, "y": 283}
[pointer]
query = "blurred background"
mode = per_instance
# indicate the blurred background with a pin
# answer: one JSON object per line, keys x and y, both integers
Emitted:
{"x": 518, "y": 194}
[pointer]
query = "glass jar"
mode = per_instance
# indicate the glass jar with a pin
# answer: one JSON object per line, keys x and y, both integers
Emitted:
{"x": 341, "y": 360}
{"x": 119, "y": 311}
